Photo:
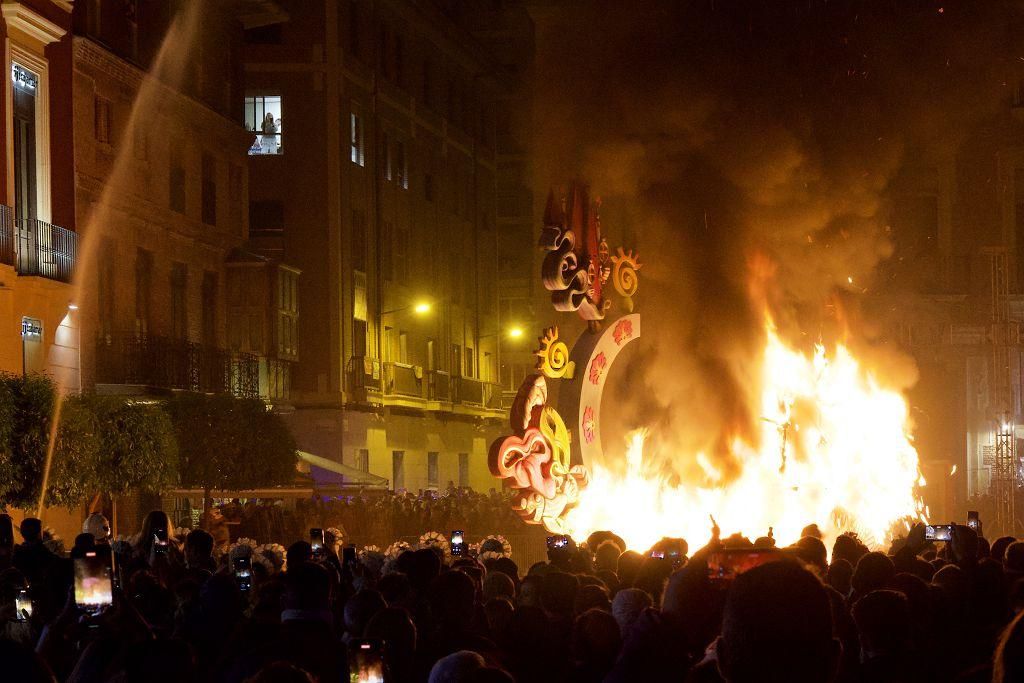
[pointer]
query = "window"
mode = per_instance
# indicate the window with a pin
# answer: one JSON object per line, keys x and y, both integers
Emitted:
{"x": 398, "y": 470}
{"x": 287, "y": 313}
{"x": 363, "y": 460}
{"x": 266, "y": 215}
{"x": 101, "y": 124}
{"x": 428, "y": 187}
{"x": 263, "y": 117}
{"x": 387, "y": 263}
{"x": 455, "y": 360}
{"x": 209, "y": 190}
{"x": 431, "y": 355}
{"x": 179, "y": 301}
{"x": 353, "y": 28}
{"x": 401, "y": 165}
{"x": 428, "y": 84}
{"x": 487, "y": 367}
{"x": 432, "y": 470}
{"x": 358, "y": 241}
{"x": 357, "y": 154}
{"x": 400, "y": 61}
{"x": 385, "y": 155}
{"x": 176, "y": 185}
{"x": 401, "y": 260}
{"x": 359, "y": 327}
{"x": 209, "y": 331}
{"x": 470, "y": 356}
{"x": 463, "y": 470}
{"x": 403, "y": 347}
{"x": 143, "y": 292}
{"x": 389, "y": 341}
{"x": 24, "y": 84}
{"x": 107, "y": 288}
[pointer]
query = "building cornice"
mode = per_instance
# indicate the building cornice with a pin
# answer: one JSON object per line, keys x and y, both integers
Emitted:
{"x": 19, "y": 17}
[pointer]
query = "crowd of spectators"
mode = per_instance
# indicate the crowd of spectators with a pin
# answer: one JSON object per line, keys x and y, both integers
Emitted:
{"x": 376, "y": 518}
{"x": 598, "y": 612}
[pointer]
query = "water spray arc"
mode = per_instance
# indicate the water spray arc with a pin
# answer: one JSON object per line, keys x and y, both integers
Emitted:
{"x": 167, "y": 71}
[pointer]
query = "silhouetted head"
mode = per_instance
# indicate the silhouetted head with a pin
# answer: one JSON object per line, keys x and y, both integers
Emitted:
{"x": 360, "y": 609}
{"x": 872, "y": 572}
{"x": 394, "y": 627}
{"x": 883, "y": 623}
{"x": 307, "y": 587}
{"x": 777, "y": 626}
{"x": 452, "y": 597}
{"x": 31, "y": 530}
{"x": 1009, "y": 658}
{"x": 298, "y": 552}
{"x": 840, "y": 576}
{"x": 558, "y": 593}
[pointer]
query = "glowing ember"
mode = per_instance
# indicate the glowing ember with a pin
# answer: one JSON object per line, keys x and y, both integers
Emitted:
{"x": 835, "y": 450}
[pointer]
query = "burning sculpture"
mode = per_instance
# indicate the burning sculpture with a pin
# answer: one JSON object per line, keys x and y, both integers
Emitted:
{"x": 832, "y": 445}
{"x": 540, "y": 458}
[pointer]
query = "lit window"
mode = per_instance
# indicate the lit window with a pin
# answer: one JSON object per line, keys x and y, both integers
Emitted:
{"x": 358, "y": 155}
{"x": 263, "y": 117}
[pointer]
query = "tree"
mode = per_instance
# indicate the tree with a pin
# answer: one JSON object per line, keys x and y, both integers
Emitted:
{"x": 137, "y": 447}
{"x": 230, "y": 443}
{"x": 27, "y": 405}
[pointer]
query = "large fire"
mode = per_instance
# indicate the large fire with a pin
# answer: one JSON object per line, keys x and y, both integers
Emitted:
{"x": 835, "y": 450}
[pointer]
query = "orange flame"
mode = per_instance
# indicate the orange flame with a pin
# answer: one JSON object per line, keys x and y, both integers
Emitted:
{"x": 835, "y": 450}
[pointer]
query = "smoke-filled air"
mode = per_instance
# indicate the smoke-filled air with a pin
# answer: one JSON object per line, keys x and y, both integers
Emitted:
{"x": 745, "y": 150}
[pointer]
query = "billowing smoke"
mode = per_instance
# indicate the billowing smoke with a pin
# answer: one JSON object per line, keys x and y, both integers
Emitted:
{"x": 746, "y": 150}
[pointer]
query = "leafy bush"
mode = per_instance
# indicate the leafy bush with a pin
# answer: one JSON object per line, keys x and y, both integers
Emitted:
{"x": 23, "y": 457}
{"x": 138, "y": 450}
{"x": 230, "y": 443}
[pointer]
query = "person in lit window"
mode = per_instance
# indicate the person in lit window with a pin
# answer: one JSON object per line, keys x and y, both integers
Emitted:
{"x": 270, "y": 128}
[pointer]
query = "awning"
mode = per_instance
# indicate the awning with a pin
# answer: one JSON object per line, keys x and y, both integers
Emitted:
{"x": 327, "y": 472}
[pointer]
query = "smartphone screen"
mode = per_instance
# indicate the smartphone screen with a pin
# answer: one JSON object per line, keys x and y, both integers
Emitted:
{"x": 658, "y": 554}
{"x": 938, "y": 532}
{"x": 160, "y": 540}
{"x": 974, "y": 520}
{"x": 458, "y": 543}
{"x": 94, "y": 584}
{"x": 316, "y": 539}
{"x": 558, "y": 541}
{"x": 726, "y": 565}
{"x": 22, "y": 605}
{"x": 243, "y": 573}
{"x": 366, "y": 662}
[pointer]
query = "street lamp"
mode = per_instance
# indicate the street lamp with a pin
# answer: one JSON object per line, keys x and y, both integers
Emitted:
{"x": 419, "y": 308}
{"x": 514, "y": 332}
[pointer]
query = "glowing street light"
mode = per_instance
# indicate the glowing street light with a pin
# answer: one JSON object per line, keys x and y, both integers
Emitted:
{"x": 515, "y": 332}
{"x": 422, "y": 308}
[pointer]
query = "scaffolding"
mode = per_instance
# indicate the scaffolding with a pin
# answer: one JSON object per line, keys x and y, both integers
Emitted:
{"x": 1004, "y": 339}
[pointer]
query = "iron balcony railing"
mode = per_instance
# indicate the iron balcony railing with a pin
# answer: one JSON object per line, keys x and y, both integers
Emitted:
{"x": 477, "y": 392}
{"x": 35, "y": 247}
{"x": 402, "y": 379}
{"x": 439, "y": 386}
{"x": 166, "y": 363}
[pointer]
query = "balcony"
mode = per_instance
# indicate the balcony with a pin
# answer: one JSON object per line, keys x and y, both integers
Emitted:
{"x": 439, "y": 386}
{"x": 401, "y": 379}
{"x": 475, "y": 392}
{"x": 35, "y": 247}
{"x": 365, "y": 374}
{"x": 164, "y": 363}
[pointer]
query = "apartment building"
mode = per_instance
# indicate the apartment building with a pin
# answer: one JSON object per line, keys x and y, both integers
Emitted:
{"x": 373, "y": 169}
{"x": 171, "y": 297}
{"x": 39, "y": 326}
